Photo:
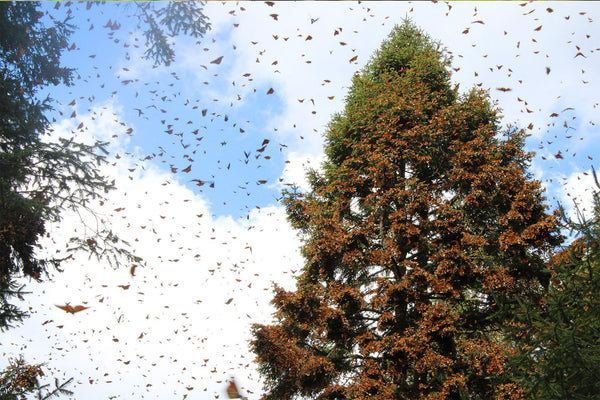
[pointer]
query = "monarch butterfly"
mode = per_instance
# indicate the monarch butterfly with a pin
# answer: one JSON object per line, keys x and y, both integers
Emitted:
{"x": 70, "y": 309}
{"x": 232, "y": 391}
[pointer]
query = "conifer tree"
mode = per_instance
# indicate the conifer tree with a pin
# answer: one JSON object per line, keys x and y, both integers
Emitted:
{"x": 37, "y": 179}
{"x": 41, "y": 179}
{"x": 559, "y": 357}
{"x": 420, "y": 231}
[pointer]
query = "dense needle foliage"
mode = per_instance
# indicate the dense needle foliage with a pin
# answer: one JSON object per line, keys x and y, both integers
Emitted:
{"x": 560, "y": 349}
{"x": 421, "y": 233}
{"x": 38, "y": 179}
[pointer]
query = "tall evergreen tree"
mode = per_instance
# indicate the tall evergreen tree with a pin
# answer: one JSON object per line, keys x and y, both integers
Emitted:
{"x": 37, "y": 179}
{"x": 559, "y": 356}
{"x": 419, "y": 233}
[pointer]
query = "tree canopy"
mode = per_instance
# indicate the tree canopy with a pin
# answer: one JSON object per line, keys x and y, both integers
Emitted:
{"x": 559, "y": 354}
{"x": 422, "y": 228}
{"x": 38, "y": 178}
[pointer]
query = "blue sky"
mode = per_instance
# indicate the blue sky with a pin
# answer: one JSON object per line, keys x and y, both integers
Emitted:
{"x": 176, "y": 118}
{"x": 240, "y": 115}
{"x": 211, "y": 254}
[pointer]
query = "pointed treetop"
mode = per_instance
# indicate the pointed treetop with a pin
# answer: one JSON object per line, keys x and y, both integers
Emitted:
{"x": 405, "y": 43}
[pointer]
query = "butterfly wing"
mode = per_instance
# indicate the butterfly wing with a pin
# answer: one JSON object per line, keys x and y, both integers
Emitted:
{"x": 232, "y": 391}
{"x": 79, "y": 308}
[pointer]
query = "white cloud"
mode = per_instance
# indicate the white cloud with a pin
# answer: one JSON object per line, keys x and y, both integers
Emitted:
{"x": 296, "y": 168}
{"x": 101, "y": 122}
{"x": 577, "y": 194}
{"x": 184, "y": 319}
{"x": 202, "y": 283}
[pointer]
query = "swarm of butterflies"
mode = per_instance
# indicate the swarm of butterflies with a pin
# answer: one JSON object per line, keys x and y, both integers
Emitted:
{"x": 232, "y": 391}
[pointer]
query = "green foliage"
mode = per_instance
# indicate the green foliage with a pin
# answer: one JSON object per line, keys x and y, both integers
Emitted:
{"x": 9, "y": 313}
{"x": 20, "y": 380}
{"x": 22, "y": 208}
{"x": 39, "y": 179}
{"x": 174, "y": 17}
{"x": 422, "y": 229}
{"x": 560, "y": 355}
{"x": 43, "y": 392}
{"x": 402, "y": 49}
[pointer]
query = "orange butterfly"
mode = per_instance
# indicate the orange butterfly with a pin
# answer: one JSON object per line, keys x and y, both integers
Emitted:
{"x": 70, "y": 309}
{"x": 232, "y": 391}
{"x": 217, "y": 60}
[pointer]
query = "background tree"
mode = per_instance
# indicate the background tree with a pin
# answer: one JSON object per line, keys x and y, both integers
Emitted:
{"x": 19, "y": 380}
{"x": 560, "y": 354}
{"x": 423, "y": 227}
{"x": 40, "y": 178}
{"x": 162, "y": 20}
{"x": 171, "y": 18}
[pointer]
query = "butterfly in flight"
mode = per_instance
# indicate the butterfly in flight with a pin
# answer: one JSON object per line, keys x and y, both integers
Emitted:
{"x": 72, "y": 310}
{"x": 232, "y": 391}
